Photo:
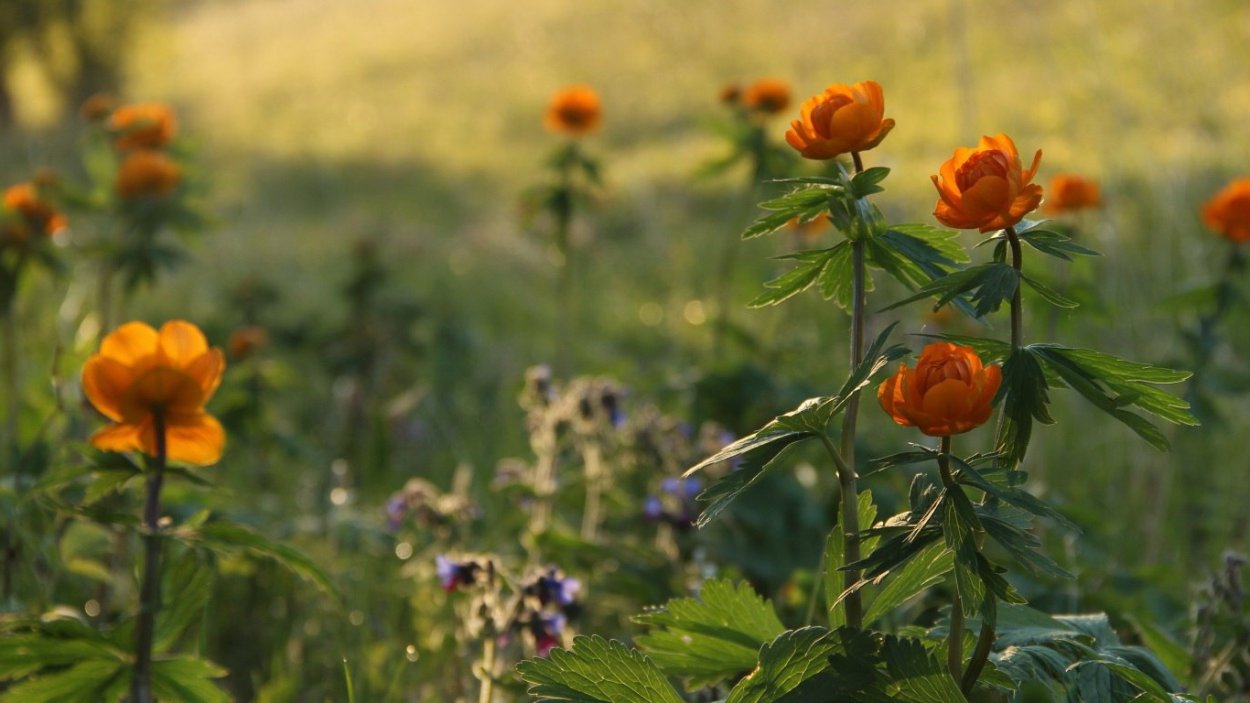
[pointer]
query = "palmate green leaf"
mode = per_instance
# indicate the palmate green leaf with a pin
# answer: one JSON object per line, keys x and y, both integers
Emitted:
{"x": 806, "y": 203}
{"x": 918, "y": 256}
{"x": 1023, "y": 546}
{"x": 88, "y": 681}
{"x": 23, "y": 655}
{"x": 866, "y": 182}
{"x": 837, "y": 278}
{"x": 926, "y": 569}
{"x": 229, "y": 537}
{"x": 1049, "y": 294}
{"x": 988, "y": 286}
{"x": 188, "y": 680}
{"x": 835, "y": 558}
{"x": 192, "y": 581}
{"x": 917, "y": 676}
{"x": 1050, "y": 242}
{"x": 1011, "y": 495}
{"x": 711, "y": 638}
{"x": 784, "y": 664}
{"x": 1113, "y": 384}
{"x": 1024, "y": 398}
{"x": 795, "y": 281}
{"x": 757, "y": 452}
{"x": 597, "y": 671}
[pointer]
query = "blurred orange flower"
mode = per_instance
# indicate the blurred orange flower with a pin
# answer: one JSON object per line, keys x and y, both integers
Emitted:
{"x": 574, "y": 111}
{"x": 843, "y": 119}
{"x": 246, "y": 340}
{"x": 143, "y": 126}
{"x": 1228, "y": 212}
{"x": 768, "y": 96}
{"x": 98, "y": 107}
{"x": 730, "y": 94}
{"x": 986, "y": 188}
{"x": 949, "y": 392}
{"x": 140, "y": 374}
{"x": 147, "y": 174}
{"x": 1069, "y": 192}
{"x": 34, "y": 213}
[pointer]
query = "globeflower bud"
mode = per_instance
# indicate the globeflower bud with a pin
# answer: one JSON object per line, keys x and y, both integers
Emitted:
{"x": 1228, "y": 212}
{"x": 574, "y": 111}
{"x": 1069, "y": 192}
{"x": 986, "y": 188}
{"x": 948, "y": 393}
{"x": 843, "y": 119}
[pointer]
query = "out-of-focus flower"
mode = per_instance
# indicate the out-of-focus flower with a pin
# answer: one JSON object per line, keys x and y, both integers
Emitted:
{"x": 652, "y": 508}
{"x": 147, "y": 174}
{"x": 97, "y": 107}
{"x": 453, "y": 574}
{"x": 574, "y": 111}
{"x": 244, "y": 341}
{"x": 1069, "y": 192}
{"x": 552, "y": 587}
{"x": 33, "y": 213}
{"x": 143, "y": 126}
{"x": 986, "y": 188}
{"x": 1228, "y": 211}
{"x": 841, "y": 120}
{"x": 949, "y": 392}
{"x": 767, "y": 96}
{"x": 546, "y": 629}
{"x": 730, "y": 94}
{"x": 140, "y": 375}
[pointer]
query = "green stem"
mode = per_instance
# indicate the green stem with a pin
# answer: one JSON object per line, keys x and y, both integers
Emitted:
{"x": 9, "y": 445}
{"x": 980, "y": 655}
{"x": 150, "y": 592}
{"x": 847, "y": 477}
{"x": 1017, "y": 309}
{"x": 955, "y": 638}
{"x": 592, "y": 511}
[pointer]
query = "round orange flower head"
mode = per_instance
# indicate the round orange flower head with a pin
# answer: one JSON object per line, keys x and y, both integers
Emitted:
{"x": 767, "y": 96}
{"x": 143, "y": 126}
{"x": 147, "y": 174}
{"x": 244, "y": 341}
{"x": 97, "y": 108}
{"x": 34, "y": 214}
{"x": 140, "y": 375}
{"x": 843, "y": 119}
{"x": 1068, "y": 193}
{"x": 986, "y": 188}
{"x": 1228, "y": 212}
{"x": 574, "y": 111}
{"x": 948, "y": 393}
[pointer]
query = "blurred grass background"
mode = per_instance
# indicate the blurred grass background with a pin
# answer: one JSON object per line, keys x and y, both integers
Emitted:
{"x": 418, "y": 125}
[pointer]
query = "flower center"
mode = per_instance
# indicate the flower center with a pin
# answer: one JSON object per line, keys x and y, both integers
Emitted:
{"x": 991, "y": 162}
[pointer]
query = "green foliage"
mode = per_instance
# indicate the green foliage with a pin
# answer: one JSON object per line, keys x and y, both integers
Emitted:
{"x": 597, "y": 671}
{"x": 713, "y": 637}
{"x": 835, "y": 559}
{"x": 987, "y": 287}
{"x": 228, "y": 538}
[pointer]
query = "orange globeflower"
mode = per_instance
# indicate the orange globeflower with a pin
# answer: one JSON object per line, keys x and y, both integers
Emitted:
{"x": 731, "y": 94}
{"x": 574, "y": 110}
{"x": 36, "y": 213}
{"x": 949, "y": 392}
{"x": 768, "y": 96}
{"x": 1069, "y": 192}
{"x": 843, "y": 119}
{"x": 1228, "y": 212}
{"x": 147, "y": 174}
{"x": 140, "y": 374}
{"x": 245, "y": 340}
{"x": 143, "y": 126}
{"x": 986, "y": 188}
{"x": 97, "y": 108}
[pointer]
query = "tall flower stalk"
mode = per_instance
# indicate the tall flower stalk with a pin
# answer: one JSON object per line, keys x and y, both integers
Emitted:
{"x": 153, "y": 386}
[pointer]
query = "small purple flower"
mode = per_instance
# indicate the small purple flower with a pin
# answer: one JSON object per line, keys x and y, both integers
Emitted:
{"x": 396, "y": 511}
{"x": 547, "y": 629}
{"x": 550, "y": 588}
{"x": 453, "y": 574}
{"x": 652, "y": 508}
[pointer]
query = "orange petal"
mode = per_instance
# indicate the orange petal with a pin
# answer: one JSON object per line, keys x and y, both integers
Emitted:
{"x": 989, "y": 196}
{"x": 106, "y": 383}
{"x": 949, "y": 399}
{"x": 181, "y": 343}
{"x": 198, "y": 440}
{"x": 117, "y": 438}
{"x": 130, "y": 343}
{"x": 207, "y": 371}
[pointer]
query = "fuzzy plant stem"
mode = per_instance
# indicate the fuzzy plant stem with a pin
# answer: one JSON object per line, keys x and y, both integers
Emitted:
{"x": 9, "y": 449}
{"x": 592, "y": 511}
{"x": 150, "y": 592}
{"x": 1017, "y": 309}
{"x": 847, "y": 477}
